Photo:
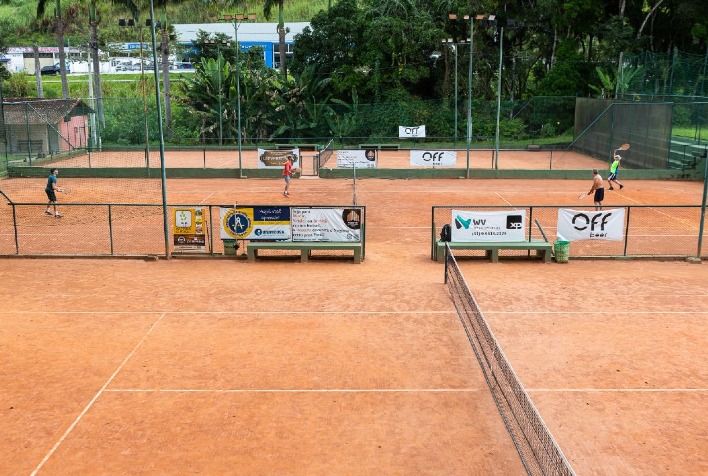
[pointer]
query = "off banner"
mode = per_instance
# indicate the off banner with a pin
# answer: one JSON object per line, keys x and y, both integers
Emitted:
{"x": 275, "y": 159}
{"x": 326, "y": 224}
{"x": 488, "y": 226}
{"x": 434, "y": 158}
{"x": 576, "y": 225}
{"x": 255, "y": 223}
{"x": 189, "y": 229}
{"x": 411, "y": 132}
{"x": 361, "y": 159}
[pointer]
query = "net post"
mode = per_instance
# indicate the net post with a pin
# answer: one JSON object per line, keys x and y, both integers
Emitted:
{"x": 447, "y": 252}
{"x": 110, "y": 227}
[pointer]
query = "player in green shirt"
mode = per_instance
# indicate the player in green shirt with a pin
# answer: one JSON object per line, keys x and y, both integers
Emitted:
{"x": 613, "y": 172}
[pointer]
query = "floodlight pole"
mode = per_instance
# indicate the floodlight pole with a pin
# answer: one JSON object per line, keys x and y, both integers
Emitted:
{"x": 161, "y": 131}
{"x": 499, "y": 82}
{"x": 469, "y": 97}
{"x": 238, "y": 18}
{"x": 238, "y": 95}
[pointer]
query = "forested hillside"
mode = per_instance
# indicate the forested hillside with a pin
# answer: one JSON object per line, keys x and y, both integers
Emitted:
{"x": 409, "y": 62}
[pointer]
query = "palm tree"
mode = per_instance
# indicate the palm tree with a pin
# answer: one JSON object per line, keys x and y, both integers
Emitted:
{"x": 267, "y": 10}
{"x": 59, "y": 30}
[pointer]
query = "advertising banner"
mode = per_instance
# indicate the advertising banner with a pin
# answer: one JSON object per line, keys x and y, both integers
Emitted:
{"x": 326, "y": 224}
{"x": 411, "y": 132}
{"x": 361, "y": 159}
{"x": 488, "y": 226}
{"x": 435, "y": 158}
{"x": 576, "y": 225}
{"x": 275, "y": 159}
{"x": 189, "y": 229}
{"x": 255, "y": 223}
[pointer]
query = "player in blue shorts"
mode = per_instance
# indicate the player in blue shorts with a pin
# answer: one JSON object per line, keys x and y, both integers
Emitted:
{"x": 613, "y": 172}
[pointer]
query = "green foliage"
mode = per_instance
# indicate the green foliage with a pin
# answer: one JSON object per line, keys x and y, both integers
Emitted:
{"x": 17, "y": 86}
{"x": 568, "y": 75}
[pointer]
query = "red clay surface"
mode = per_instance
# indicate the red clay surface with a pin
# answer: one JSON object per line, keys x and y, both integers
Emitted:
{"x": 279, "y": 367}
{"x": 386, "y": 159}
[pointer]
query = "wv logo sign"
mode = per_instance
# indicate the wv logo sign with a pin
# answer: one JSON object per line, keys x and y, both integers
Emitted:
{"x": 465, "y": 223}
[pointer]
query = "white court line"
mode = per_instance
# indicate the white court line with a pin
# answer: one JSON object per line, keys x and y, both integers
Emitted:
{"x": 206, "y": 198}
{"x": 400, "y": 390}
{"x": 95, "y": 397}
{"x": 504, "y": 199}
{"x": 300, "y": 390}
{"x": 617, "y": 390}
{"x": 596, "y": 312}
{"x": 690, "y": 225}
{"x": 230, "y": 312}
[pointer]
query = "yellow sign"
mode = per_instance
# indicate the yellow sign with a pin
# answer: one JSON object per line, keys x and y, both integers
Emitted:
{"x": 189, "y": 229}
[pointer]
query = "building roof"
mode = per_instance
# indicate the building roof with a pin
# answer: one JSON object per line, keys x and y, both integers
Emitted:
{"x": 247, "y": 32}
{"x": 42, "y": 111}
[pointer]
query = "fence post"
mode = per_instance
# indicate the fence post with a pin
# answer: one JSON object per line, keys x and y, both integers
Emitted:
{"x": 14, "y": 225}
{"x": 211, "y": 235}
{"x": 110, "y": 227}
{"x": 626, "y": 231}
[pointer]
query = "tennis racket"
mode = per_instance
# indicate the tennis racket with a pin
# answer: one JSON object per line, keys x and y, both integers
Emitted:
{"x": 582, "y": 195}
{"x": 65, "y": 191}
{"x": 624, "y": 147}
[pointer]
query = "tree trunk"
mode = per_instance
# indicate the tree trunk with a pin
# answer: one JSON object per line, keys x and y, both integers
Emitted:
{"x": 62, "y": 53}
{"x": 37, "y": 71}
{"x": 649, "y": 15}
{"x": 165, "y": 48}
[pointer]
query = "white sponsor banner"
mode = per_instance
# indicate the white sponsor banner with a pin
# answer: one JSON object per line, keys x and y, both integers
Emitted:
{"x": 488, "y": 226}
{"x": 255, "y": 223}
{"x": 361, "y": 159}
{"x": 326, "y": 224}
{"x": 405, "y": 132}
{"x": 435, "y": 158}
{"x": 275, "y": 159}
{"x": 591, "y": 225}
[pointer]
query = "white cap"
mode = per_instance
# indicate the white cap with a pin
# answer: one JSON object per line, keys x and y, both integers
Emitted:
{"x": 618, "y": 157}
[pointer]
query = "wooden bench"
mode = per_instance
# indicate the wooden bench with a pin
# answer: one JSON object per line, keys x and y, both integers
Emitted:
{"x": 543, "y": 248}
{"x": 305, "y": 248}
{"x": 380, "y": 146}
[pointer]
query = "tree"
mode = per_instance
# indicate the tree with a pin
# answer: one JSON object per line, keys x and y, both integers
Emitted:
{"x": 267, "y": 11}
{"x": 93, "y": 46}
{"x": 59, "y": 30}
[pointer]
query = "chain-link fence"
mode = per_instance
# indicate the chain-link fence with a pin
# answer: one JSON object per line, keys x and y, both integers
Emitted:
{"x": 664, "y": 74}
{"x": 649, "y": 231}
{"x": 120, "y": 230}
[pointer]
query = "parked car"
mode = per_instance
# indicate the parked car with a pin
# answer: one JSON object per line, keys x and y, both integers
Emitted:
{"x": 51, "y": 70}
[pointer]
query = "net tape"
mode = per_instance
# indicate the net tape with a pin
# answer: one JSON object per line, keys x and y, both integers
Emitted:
{"x": 539, "y": 452}
{"x": 326, "y": 153}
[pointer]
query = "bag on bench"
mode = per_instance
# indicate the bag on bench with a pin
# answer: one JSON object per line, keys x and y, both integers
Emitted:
{"x": 446, "y": 233}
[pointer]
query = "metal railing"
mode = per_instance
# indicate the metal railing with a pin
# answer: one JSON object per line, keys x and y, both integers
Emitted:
{"x": 656, "y": 231}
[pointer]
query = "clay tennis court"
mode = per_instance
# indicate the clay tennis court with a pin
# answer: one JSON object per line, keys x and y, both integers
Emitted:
{"x": 386, "y": 159}
{"x": 327, "y": 367}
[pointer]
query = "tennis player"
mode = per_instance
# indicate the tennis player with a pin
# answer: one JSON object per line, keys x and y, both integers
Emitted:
{"x": 51, "y": 190}
{"x": 287, "y": 174}
{"x": 598, "y": 187}
{"x": 613, "y": 171}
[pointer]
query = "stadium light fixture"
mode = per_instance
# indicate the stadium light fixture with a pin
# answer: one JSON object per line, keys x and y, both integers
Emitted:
{"x": 237, "y": 19}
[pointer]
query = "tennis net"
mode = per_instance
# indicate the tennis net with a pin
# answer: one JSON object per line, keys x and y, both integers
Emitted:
{"x": 326, "y": 153}
{"x": 539, "y": 452}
